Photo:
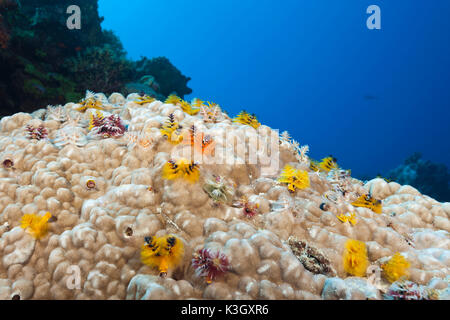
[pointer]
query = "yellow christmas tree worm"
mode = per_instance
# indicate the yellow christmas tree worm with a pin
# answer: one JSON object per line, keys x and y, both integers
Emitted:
{"x": 186, "y": 107}
{"x": 36, "y": 225}
{"x": 183, "y": 168}
{"x": 248, "y": 119}
{"x": 396, "y": 268}
{"x": 173, "y": 99}
{"x": 355, "y": 258}
{"x": 163, "y": 253}
{"x": 328, "y": 163}
{"x": 196, "y": 102}
{"x": 367, "y": 201}
{"x": 95, "y": 120}
{"x": 350, "y": 218}
{"x": 171, "y": 130}
{"x": 90, "y": 103}
{"x": 203, "y": 144}
{"x": 144, "y": 99}
{"x": 294, "y": 178}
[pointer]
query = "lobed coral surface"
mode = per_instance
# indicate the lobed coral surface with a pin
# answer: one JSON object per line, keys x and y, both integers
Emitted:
{"x": 107, "y": 194}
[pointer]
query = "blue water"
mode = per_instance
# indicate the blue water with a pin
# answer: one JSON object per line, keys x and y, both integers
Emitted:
{"x": 368, "y": 97}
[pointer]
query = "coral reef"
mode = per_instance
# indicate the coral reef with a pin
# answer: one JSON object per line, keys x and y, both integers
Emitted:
{"x": 42, "y": 62}
{"x": 220, "y": 228}
{"x": 432, "y": 179}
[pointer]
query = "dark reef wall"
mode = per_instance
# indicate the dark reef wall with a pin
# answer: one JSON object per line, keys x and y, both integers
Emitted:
{"x": 429, "y": 178}
{"x": 43, "y": 62}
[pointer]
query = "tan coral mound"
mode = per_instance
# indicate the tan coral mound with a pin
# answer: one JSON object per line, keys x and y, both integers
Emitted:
{"x": 107, "y": 193}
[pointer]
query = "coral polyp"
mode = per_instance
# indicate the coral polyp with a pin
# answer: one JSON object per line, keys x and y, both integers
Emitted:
{"x": 210, "y": 264}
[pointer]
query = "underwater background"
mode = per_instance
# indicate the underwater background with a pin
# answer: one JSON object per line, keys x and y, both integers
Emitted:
{"x": 370, "y": 98}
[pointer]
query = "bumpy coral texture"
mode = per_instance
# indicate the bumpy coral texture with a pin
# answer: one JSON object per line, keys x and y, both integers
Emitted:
{"x": 99, "y": 228}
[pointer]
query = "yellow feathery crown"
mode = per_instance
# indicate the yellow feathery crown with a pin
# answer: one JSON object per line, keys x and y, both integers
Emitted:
{"x": 248, "y": 119}
{"x": 183, "y": 168}
{"x": 90, "y": 102}
{"x": 173, "y": 99}
{"x": 170, "y": 130}
{"x": 328, "y": 163}
{"x": 367, "y": 201}
{"x": 144, "y": 99}
{"x": 350, "y": 218}
{"x": 395, "y": 268}
{"x": 35, "y": 224}
{"x": 163, "y": 253}
{"x": 197, "y": 103}
{"x": 95, "y": 120}
{"x": 186, "y": 107}
{"x": 355, "y": 258}
{"x": 294, "y": 178}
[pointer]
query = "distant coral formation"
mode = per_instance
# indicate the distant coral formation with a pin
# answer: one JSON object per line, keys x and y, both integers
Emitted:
{"x": 429, "y": 178}
{"x": 42, "y": 62}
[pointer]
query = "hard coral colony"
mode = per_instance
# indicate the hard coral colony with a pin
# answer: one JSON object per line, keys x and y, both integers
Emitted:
{"x": 110, "y": 171}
